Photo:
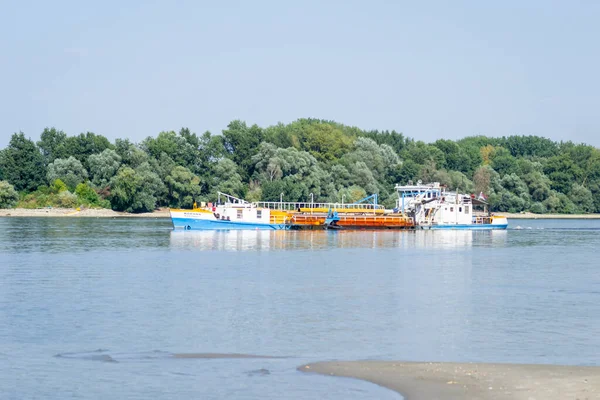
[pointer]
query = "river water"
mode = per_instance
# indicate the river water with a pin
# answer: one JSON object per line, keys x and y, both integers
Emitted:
{"x": 96, "y": 308}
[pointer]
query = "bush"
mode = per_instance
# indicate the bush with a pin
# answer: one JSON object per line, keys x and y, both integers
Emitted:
{"x": 58, "y": 186}
{"x": 537, "y": 208}
{"x": 66, "y": 199}
{"x": 8, "y": 195}
{"x": 86, "y": 194}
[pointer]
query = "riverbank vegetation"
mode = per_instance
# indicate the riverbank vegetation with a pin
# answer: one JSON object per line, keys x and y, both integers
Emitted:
{"x": 332, "y": 161}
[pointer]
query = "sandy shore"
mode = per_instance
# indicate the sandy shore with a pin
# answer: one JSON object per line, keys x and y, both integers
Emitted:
{"x": 548, "y": 216}
{"x": 71, "y": 212}
{"x": 454, "y": 381}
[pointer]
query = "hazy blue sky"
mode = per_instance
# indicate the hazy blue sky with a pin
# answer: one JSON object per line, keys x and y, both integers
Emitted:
{"x": 428, "y": 69}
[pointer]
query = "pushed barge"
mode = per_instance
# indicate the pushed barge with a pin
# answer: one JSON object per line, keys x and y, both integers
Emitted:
{"x": 235, "y": 213}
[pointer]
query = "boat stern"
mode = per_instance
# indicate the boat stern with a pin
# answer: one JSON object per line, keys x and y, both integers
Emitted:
{"x": 499, "y": 222}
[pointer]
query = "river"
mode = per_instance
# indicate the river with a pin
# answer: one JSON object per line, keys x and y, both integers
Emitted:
{"x": 97, "y": 308}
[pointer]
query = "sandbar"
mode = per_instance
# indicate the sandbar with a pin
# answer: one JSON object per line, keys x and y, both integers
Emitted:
{"x": 470, "y": 381}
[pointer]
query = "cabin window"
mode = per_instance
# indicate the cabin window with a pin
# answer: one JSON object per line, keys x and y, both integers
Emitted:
{"x": 451, "y": 209}
{"x": 428, "y": 195}
{"x": 459, "y": 209}
{"x": 466, "y": 209}
{"x": 259, "y": 214}
{"x": 239, "y": 214}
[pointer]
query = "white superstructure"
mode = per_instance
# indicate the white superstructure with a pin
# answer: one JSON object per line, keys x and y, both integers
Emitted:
{"x": 433, "y": 207}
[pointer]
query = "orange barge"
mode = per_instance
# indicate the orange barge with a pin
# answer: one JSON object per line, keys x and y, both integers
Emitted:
{"x": 350, "y": 221}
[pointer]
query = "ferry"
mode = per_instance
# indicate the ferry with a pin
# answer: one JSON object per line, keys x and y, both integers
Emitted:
{"x": 431, "y": 206}
{"x": 232, "y": 213}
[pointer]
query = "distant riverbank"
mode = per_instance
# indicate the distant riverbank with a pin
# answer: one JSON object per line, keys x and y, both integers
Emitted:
{"x": 72, "y": 212}
{"x": 465, "y": 381}
{"x": 548, "y": 216}
{"x": 164, "y": 213}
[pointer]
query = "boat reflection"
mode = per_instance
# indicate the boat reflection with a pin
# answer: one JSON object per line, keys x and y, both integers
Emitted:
{"x": 262, "y": 240}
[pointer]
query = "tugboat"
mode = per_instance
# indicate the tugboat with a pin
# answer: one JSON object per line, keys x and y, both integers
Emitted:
{"x": 432, "y": 207}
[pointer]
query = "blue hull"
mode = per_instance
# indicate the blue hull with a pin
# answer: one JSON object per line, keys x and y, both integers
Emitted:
{"x": 210, "y": 225}
{"x": 469, "y": 227}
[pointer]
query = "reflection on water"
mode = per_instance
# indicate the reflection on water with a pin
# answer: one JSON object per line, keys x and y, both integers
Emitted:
{"x": 57, "y": 235}
{"x": 261, "y": 240}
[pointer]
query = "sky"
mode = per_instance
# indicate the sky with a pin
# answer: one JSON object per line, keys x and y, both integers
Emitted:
{"x": 429, "y": 69}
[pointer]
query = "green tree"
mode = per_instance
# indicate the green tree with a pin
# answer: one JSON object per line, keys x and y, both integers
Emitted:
{"x": 405, "y": 172}
{"x": 86, "y": 195}
{"x": 451, "y": 152}
{"x": 325, "y": 142}
{"x": 559, "y": 203}
{"x": 66, "y": 199}
{"x": 516, "y": 185}
{"x": 136, "y": 190}
{"x": 363, "y": 177}
{"x": 340, "y": 176}
{"x": 582, "y": 198}
{"x": 276, "y": 190}
{"x": 103, "y": 167}
{"x": 227, "y": 180}
{"x": 50, "y": 142}
{"x": 537, "y": 208}
{"x": 538, "y": 184}
{"x": 22, "y": 163}
{"x": 422, "y": 153}
{"x": 271, "y": 191}
{"x": 8, "y": 195}
{"x": 81, "y": 146}
{"x": 182, "y": 148}
{"x": 297, "y": 168}
{"x": 482, "y": 179}
{"x": 69, "y": 170}
{"x": 131, "y": 155}
{"x": 381, "y": 160}
{"x": 211, "y": 150}
{"x": 532, "y": 146}
{"x": 241, "y": 143}
{"x": 183, "y": 187}
{"x": 58, "y": 186}
{"x": 395, "y": 140}
{"x": 562, "y": 172}
{"x": 351, "y": 194}
{"x": 503, "y": 162}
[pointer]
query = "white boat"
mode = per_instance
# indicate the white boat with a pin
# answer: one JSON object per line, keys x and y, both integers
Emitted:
{"x": 233, "y": 213}
{"x": 433, "y": 207}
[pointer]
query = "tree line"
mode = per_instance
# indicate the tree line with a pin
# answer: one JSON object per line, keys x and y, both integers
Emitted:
{"x": 332, "y": 161}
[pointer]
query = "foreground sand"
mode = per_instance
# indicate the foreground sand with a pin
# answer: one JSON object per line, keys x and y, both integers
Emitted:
{"x": 466, "y": 381}
{"x": 71, "y": 212}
